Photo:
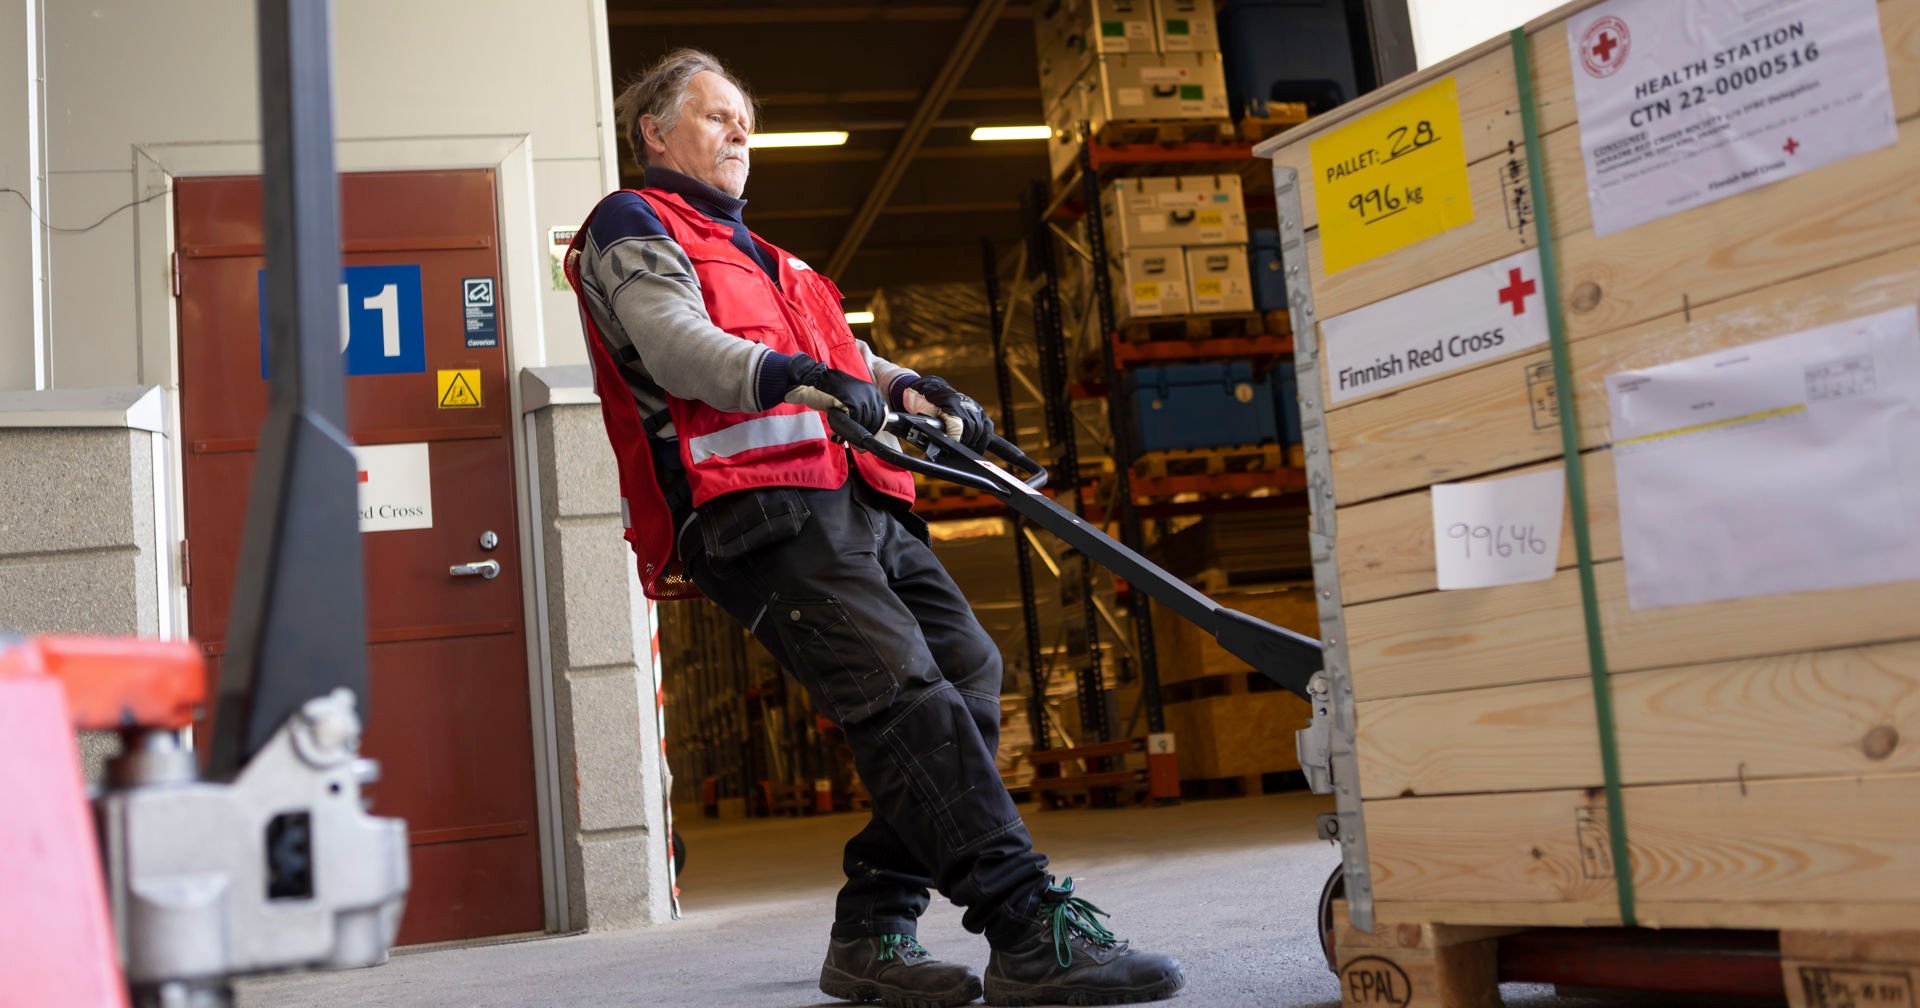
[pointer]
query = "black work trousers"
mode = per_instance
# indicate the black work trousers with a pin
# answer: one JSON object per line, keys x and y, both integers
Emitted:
{"x": 857, "y": 608}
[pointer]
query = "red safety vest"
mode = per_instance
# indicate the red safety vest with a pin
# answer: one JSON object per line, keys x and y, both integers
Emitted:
{"x": 786, "y": 446}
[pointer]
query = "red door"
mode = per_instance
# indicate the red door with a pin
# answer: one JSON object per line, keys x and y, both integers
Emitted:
{"x": 449, "y": 716}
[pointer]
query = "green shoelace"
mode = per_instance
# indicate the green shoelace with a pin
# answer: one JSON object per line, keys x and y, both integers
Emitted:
{"x": 900, "y": 946}
{"x": 1067, "y": 914}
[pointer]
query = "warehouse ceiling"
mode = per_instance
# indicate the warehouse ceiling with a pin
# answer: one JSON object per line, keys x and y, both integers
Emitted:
{"x": 909, "y": 82}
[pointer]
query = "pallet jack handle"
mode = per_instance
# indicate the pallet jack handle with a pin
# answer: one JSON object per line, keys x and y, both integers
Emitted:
{"x": 1291, "y": 660}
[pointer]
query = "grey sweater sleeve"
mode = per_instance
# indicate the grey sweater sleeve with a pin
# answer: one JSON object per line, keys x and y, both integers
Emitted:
{"x": 657, "y": 324}
{"x": 892, "y": 378}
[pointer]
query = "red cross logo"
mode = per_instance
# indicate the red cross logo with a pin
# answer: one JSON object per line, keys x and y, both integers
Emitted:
{"x": 1790, "y": 146}
{"x": 1604, "y": 46}
{"x": 363, "y": 475}
{"x": 1516, "y": 291}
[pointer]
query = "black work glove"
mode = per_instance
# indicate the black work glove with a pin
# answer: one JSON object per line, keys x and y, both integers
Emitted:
{"x": 861, "y": 398}
{"x": 975, "y": 427}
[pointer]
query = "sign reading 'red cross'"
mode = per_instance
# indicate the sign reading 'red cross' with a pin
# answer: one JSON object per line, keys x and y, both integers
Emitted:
{"x": 1486, "y": 312}
{"x": 396, "y": 487}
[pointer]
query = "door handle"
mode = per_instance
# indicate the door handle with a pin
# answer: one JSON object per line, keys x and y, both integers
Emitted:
{"x": 488, "y": 569}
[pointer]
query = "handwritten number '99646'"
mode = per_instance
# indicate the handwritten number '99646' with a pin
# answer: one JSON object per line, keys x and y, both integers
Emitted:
{"x": 1498, "y": 540}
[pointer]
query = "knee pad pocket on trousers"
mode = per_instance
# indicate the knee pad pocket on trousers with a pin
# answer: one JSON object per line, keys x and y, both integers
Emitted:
{"x": 833, "y": 656}
{"x": 938, "y": 746}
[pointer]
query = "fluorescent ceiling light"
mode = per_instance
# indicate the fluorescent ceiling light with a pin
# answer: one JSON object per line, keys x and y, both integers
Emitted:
{"x": 859, "y": 318}
{"x": 1011, "y": 132}
{"x": 827, "y": 138}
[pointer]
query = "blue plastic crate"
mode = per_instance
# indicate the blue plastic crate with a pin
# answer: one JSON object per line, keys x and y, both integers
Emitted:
{"x": 1287, "y": 51}
{"x": 1201, "y": 406}
{"x": 1263, "y": 261}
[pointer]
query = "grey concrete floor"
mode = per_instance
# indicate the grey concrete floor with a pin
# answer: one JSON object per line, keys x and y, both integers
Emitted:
{"x": 1230, "y": 887}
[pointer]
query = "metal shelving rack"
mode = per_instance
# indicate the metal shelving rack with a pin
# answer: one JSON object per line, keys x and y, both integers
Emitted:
{"x": 1055, "y": 389}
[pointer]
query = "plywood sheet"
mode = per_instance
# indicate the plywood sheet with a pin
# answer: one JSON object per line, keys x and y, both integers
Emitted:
{"x": 1849, "y": 840}
{"x": 1445, "y": 641}
{"x": 1848, "y": 711}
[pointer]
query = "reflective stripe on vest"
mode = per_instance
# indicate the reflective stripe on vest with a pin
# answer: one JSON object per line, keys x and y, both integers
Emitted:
{"x": 759, "y": 432}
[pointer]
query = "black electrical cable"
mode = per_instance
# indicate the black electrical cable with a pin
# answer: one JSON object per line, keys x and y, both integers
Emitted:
{"x": 95, "y": 224}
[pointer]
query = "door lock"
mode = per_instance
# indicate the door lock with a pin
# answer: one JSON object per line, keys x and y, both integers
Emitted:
{"x": 488, "y": 540}
{"x": 487, "y": 569}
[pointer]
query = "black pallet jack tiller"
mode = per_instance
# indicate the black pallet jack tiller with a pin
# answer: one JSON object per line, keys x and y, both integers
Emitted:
{"x": 1291, "y": 660}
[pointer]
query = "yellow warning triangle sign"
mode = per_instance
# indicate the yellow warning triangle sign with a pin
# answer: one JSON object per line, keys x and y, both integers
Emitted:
{"x": 460, "y": 389}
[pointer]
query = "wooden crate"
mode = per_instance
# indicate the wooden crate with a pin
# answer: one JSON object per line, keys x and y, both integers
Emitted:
{"x": 1765, "y": 762}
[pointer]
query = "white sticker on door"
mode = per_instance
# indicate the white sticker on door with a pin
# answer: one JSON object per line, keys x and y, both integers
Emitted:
{"x": 396, "y": 487}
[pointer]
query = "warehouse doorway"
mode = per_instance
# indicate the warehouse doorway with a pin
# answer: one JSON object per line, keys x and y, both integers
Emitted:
{"x": 427, "y": 405}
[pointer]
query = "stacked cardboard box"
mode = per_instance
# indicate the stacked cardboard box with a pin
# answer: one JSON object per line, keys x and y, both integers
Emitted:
{"x": 1768, "y": 775}
{"x": 1177, "y": 245}
{"x": 1126, "y": 61}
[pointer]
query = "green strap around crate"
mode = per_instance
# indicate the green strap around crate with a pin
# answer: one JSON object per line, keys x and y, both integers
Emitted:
{"x": 1576, "y": 476}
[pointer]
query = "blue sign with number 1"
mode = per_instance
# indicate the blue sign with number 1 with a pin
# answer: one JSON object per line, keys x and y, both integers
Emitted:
{"x": 381, "y": 330}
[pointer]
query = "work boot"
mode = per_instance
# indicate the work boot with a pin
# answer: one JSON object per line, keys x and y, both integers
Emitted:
{"x": 1069, "y": 957}
{"x": 895, "y": 970}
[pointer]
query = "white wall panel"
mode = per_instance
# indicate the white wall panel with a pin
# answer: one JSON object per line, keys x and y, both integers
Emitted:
{"x": 564, "y": 191}
{"x": 95, "y": 319}
{"x": 131, "y": 73}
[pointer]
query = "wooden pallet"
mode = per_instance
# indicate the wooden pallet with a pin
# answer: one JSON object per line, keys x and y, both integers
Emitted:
{"x": 1166, "y": 131}
{"x": 1839, "y": 969}
{"x": 1209, "y": 461}
{"x": 1281, "y": 116}
{"x": 1430, "y": 965}
{"x": 1194, "y": 328}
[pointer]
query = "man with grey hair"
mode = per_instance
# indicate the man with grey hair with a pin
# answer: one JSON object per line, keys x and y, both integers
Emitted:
{"x": 712, "y": 349}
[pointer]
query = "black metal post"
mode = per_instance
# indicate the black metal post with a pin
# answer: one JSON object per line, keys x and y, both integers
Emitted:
{"x": 1119, "y": 414}
{"x": 1023, "y": 557}
{"x": 299, "y": 612}
{"x": 1055, "y": 375}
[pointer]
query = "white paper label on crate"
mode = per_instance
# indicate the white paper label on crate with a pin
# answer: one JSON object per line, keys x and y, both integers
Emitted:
{"x": 1683, "y": 102}
{"x": 1498, "y": 532}
{"x": 1486, "y": 312}
{"x": 1781, "y": 466}
{"x": 1130, "y": 96}
{"x": 396, "y": 487}
{"x": 1152, "y": 222}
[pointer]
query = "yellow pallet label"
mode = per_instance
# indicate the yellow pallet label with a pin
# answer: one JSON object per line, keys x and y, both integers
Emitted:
{"x": 1392, "y": 178}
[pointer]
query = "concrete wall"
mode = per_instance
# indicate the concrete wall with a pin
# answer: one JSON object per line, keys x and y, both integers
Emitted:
{"x": 126, "y": 73}
{"x": 77, "y": 545}
{"x": 599, "y": 664}
{"x": 80, "y": 543}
